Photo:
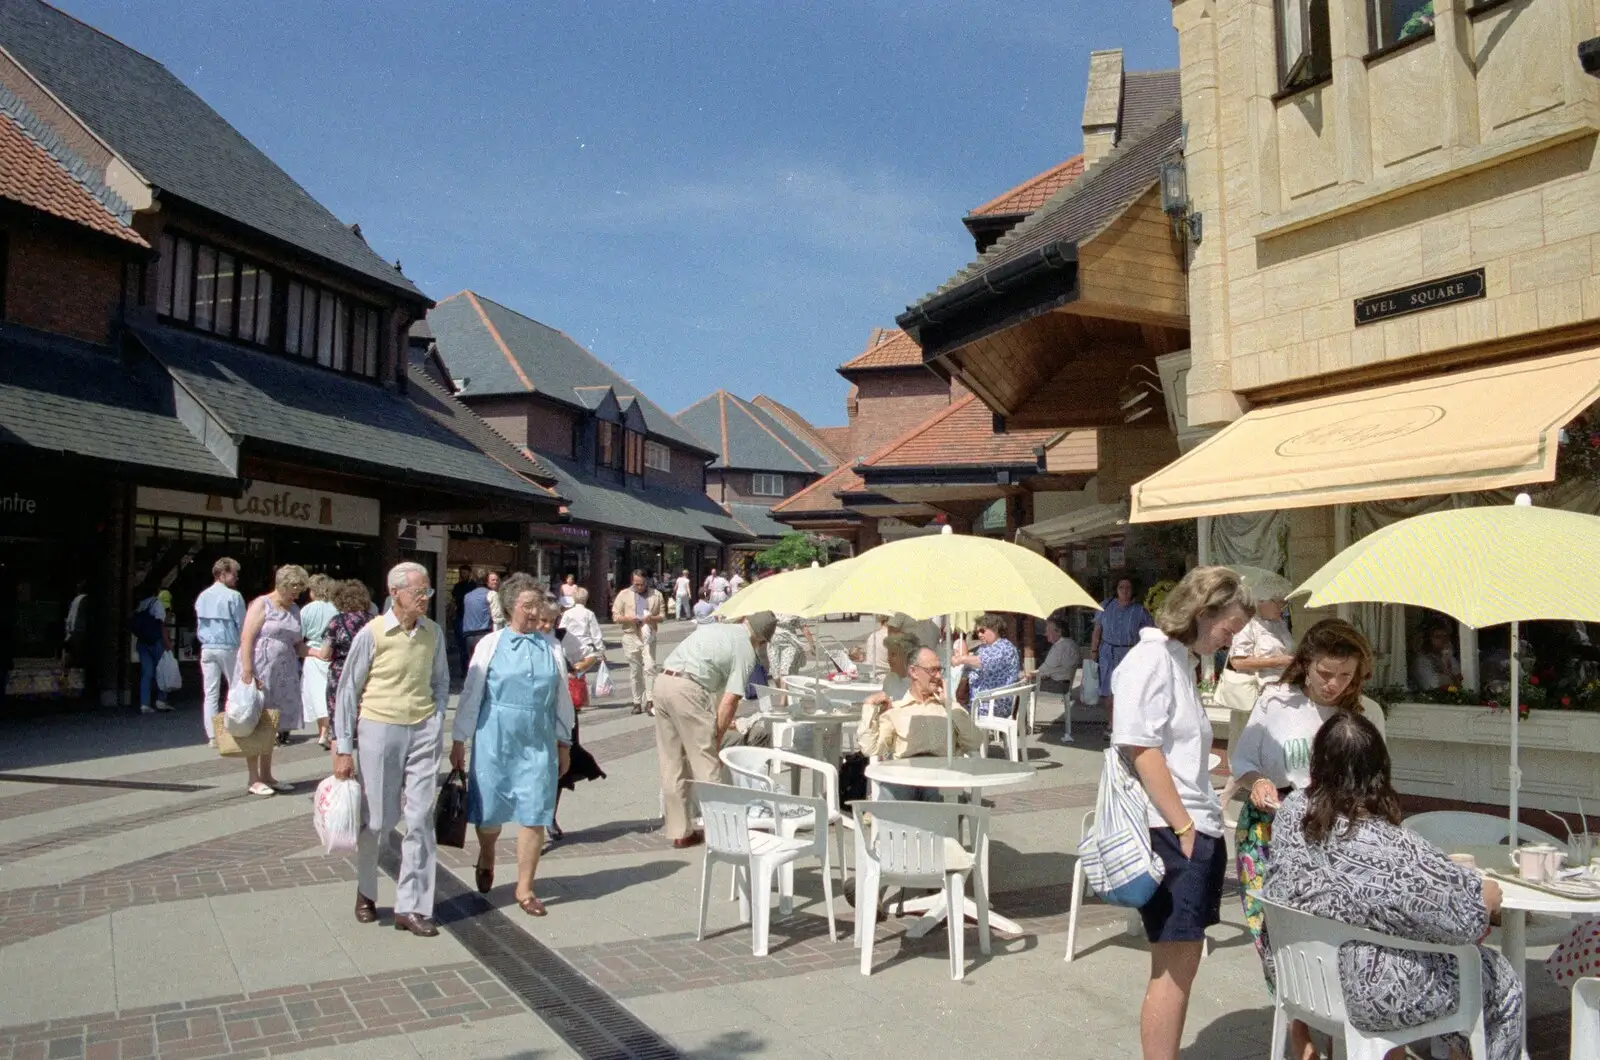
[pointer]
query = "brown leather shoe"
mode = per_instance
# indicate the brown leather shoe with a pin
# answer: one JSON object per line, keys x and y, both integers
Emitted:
{"x": 415, "y": 923}
{"x": 693, "y": 839}
{"x": 366, "y": 909}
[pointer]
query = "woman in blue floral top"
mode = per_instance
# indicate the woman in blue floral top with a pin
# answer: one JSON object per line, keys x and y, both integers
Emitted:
{"x": 996, "y": 663}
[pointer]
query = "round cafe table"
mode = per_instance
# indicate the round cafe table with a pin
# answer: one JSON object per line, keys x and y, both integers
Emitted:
{"x": 953, "y": 774}
{"x": 1517, "y": 901}
{"x": 857, "y": 691}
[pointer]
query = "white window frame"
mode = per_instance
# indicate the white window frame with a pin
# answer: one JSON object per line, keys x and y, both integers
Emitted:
{"x": 657, "y": 456}
{"x": 769, "y": 479}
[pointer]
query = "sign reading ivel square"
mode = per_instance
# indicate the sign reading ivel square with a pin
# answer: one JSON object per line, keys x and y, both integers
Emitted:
{"x": 1463, "y": 287}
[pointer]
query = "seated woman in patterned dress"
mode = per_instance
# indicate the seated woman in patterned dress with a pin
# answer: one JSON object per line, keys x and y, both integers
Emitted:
{"x": 995, "y": 661}
{"x": 1338, "y": 852}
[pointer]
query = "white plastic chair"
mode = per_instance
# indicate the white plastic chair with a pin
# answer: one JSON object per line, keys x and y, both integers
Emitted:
{"x": 1012, "y": 730}
{"x": 784, "y": 711}
{"x": 752, "y": 767}
{"x": 1080, "y": 887}
{"x": 918, "y": 844}
{"x": 1585, "y": 1020}
{"x": 1305, "y": 949}
{"x": 1448, "y": 828}
{"x": 756, "y": 856}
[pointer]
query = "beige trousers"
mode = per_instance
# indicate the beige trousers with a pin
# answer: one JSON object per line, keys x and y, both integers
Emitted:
{"x": 641, "y": 668}
{"x": 686, "y": 741}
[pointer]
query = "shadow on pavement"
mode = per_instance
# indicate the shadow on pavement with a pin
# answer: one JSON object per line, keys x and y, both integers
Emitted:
{"x": 94, "y": 733}
{"x": 584, "y": 886}
{"x": 1247, "y": 1032}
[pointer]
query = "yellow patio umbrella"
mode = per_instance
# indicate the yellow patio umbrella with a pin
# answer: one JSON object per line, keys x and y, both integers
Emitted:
{"x": 1484, "y": 566}
{"x": 792, "y": 592}
{"x": 941, "y": 574}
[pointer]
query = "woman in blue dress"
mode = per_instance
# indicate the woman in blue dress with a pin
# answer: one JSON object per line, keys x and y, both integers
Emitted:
{"x": 1116, "y": 631}
{"x": 517, "y": 712}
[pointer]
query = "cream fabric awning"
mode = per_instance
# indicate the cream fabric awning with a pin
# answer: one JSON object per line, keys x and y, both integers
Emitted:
{"x": 1473, "y": 430}
{"x": 1080, "y": 525}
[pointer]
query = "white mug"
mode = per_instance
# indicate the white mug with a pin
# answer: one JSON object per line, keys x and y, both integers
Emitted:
{"x": 1538, "y": 862}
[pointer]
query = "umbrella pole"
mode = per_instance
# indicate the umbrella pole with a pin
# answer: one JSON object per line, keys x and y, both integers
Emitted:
{"x": 949, "y": 693}
{"x": 1516, "y": 709}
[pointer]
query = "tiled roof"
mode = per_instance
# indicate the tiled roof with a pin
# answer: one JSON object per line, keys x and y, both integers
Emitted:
{"x": 1147, "y": 97}
{"x": 819, "y": 497}
{"x": 174, "y": 139}
{"x": 1033, "y": 192}
{"x": 757, "y": 518}
{"x": 1084, "y": 208}
{"x": 750, "y": 438}
{"x": 439, "y": 405}
{"x": 835, "y": 438}
{"x": 654, "y": 511}
{"x": 500, "y": 351}
{"x": 278, "y": 405}
{"x": 800, "y": 427}
{"x": 962, "y": 435}
{"x": 62, "y": 396}
{"x": 888, "y": 348}
{"x": 38, "y": 170}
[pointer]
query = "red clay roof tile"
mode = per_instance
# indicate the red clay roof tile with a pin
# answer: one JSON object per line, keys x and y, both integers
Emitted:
{"x": 819, "y": 496}
{"x": 889, "y": 348}
{"x": 961, "y": 435}
{"x": 30, "y": 175}
{"x": 1033, "y": 192}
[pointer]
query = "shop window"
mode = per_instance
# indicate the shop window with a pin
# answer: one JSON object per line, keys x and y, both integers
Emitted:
{"x": 657, "y": 456}
{"x": 634, "y": 459}
{"x": 1391, "y": 22}
{"x": 766, "y": 484}
{"x": 1305, "y": 56}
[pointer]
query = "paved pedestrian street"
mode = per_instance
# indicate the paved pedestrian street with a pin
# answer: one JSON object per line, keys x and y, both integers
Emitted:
{"x": 151, "y": 909}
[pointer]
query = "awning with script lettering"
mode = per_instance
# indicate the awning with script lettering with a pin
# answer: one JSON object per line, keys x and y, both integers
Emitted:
{"x": 1485, "y": 428}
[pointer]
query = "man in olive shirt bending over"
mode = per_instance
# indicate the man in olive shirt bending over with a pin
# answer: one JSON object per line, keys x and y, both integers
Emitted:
{"x": 697, "y": 694}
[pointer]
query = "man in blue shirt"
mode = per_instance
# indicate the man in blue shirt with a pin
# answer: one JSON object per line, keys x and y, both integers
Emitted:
{"x": 477, "y": 621}
{"x": 219, "y": 616}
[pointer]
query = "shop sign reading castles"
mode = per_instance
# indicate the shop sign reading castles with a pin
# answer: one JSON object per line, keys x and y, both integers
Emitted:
{"x": 1463, "y": 287}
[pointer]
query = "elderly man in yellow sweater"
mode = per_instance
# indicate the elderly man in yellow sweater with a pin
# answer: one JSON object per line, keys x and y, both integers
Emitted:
{"x": 397, "y": 681}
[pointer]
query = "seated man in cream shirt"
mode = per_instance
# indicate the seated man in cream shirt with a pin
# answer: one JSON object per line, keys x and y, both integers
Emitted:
{"x": 916, "y": 725}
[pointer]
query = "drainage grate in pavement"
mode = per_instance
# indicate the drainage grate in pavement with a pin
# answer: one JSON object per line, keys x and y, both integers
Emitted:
{"x": 96, "y": 782}
{"x": 596, "y": 1025}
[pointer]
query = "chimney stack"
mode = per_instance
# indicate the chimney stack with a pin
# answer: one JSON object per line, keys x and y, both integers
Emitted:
{"x": 1102, "y": 105}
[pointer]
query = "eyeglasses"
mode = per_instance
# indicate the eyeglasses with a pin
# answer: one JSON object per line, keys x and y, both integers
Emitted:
{"x": 423, "y": 593}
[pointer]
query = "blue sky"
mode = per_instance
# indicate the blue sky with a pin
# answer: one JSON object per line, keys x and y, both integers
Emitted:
{"x": 704, "y": 194}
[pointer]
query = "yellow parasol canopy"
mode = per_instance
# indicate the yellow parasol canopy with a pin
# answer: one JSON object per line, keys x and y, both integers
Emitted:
{"x": 942, "y": 574}
{"x": 792, "y": 592}
{"x": 1483, "y": 566}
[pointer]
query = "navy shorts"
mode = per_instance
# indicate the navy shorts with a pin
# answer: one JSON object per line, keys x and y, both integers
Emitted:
{"x": 1189, "y": 899}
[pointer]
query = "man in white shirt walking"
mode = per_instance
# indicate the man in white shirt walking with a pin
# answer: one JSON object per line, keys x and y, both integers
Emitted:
{"x": 682, "y": 591}
{"x": 219, "y": 616}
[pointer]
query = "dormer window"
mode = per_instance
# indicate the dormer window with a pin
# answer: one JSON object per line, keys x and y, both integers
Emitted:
{"x": 608, "y": 446}
{"x": 213, "y": 290}
{"x": 335, "y": 331}
{"x": 635, "y": 453}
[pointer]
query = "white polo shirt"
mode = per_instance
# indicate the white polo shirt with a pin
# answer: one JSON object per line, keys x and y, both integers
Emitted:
{"x": 1158, "y": 705}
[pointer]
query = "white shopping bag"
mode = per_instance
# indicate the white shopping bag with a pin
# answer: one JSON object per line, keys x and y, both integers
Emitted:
{"x": 243, "y": 709}
{"x": 336, "y": 813}
{"x": 1091, "y": 683}
{"x": 168, "y": 679}
{"x": 602, "y": 680}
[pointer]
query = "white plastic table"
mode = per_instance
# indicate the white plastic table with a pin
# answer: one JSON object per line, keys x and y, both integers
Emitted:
{"x": 857, "y": 691}
{"x": 1517, "y": 902}
{"x": 959, "y": 774}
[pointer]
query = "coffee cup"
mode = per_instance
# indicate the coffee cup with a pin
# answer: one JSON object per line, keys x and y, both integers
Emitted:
{"x": 1465, "y": 860}
{"x": 1538, "y": 862}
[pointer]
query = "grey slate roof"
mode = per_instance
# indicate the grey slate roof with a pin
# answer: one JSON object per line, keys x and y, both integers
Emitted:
{"x": 1083, "y": 209}
{"x": 654, "y": 512}
{"x": 175, "y": 139}
{"x": 439, "y": 405}
{"x": 1147, "y": 97}
{"x": 63, "y": 396}
{"x": 758, "y": 518}
{"x": 556, "y": 367}
{"x": 750, "y": 438}
{"x": 279, "y": 406}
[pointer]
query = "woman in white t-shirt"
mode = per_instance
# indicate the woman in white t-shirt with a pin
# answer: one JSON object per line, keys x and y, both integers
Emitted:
{"x": 1161, "y": 725}
{"x": 1257, "y": 658}
{"x": 1273, "y": 756}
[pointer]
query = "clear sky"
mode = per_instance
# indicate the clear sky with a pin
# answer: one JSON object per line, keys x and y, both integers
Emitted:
{"x": 704, "y": 194}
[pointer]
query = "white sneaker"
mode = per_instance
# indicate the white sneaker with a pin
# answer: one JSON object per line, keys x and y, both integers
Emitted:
{"x": 211, "y": 742}
{"x": 163, "y": 706}
{"x": 143, "y": 709}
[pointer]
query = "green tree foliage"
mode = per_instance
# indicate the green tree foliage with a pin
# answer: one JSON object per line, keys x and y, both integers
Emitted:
{"x": 792, "y": 550}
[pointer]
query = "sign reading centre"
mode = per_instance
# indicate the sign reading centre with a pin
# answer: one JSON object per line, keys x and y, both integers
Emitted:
{"x": 269, "y": 502}
{"x": 1463, "y": 287}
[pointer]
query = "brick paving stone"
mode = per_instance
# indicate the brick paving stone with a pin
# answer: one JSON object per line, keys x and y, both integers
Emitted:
{"x": 46, "y": 842}
{"x": 266, "y": 1023}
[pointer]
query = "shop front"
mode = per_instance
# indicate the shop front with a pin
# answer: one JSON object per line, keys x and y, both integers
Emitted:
{"x": 560, "y": 550}
{"x": 177, "y": 536}
{"x": 54, "y": 547}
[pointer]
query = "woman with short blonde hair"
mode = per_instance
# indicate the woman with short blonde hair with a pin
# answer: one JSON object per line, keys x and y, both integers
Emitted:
{"x": 1160, "y": 725}
{"x": 271, "y": 646}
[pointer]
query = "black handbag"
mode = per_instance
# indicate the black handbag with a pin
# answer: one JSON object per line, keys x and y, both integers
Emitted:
{"x": 450, "y": 811}
{"x": 853, "y": 777}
